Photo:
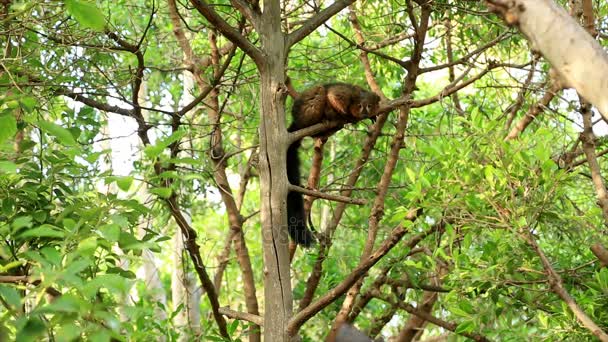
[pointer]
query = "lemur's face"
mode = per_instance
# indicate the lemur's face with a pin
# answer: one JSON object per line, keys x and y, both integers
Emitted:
{"x": 368, "y": 104}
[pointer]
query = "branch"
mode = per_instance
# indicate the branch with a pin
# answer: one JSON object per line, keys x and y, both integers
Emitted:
{"x": 14, "y": 279}
{"x": 557, "y": 286}
{"x": 601, "y": 253}
{"x": 243, "y": 316}
{"x": 247, "y": 11}
{"x": 468, "y": 56}
{"x": 312, "y": 130}
{"x": 532, "y": 113}
{"x": 369, "y": 74}
{"x": 447, "y": 91}
{"x": 27, "y": 280}
{"x": 430, "y": 318}
{"x": 206, "y": 89}
{"x": 512, "y": 110}
{"x": 335, "y": 198}
{"x": 195, "y": 254}
{"x": 228, "y": 31}
{"x": 579, "y": 59}
{"x": 316, "y": 21}
{"x": 588, "y": 139}
{"x": 404, "y": 64}
{"x": 94, "y": 103}
{"x": 305, "y": 314}
{"x": 325, "y": 244}
{"x": 396, "y": 145}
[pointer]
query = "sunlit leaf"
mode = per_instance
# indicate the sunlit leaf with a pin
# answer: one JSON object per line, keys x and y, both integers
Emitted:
{"x": 63, "y": 135}
{"x": 8, "y": 127}
{"x": 86, "y": 13}
{"x": 46, "y": 230}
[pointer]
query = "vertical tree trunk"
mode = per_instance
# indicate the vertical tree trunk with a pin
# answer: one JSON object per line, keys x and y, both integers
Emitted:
{"x": 273, "y": 176}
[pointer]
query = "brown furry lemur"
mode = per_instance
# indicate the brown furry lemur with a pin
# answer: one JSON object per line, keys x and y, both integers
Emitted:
{"x": 341, "y": 102}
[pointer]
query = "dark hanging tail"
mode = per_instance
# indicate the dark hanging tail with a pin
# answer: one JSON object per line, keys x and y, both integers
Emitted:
{"x": 296, "y": 218}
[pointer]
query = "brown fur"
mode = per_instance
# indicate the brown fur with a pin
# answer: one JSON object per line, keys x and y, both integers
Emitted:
{"x": 329, "y": 102}
{"x": 334, "y": 101}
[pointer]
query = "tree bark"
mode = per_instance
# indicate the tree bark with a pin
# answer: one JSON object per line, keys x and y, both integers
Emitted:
{"x": 579, "y": 59}
{"x": 273, "y": 175}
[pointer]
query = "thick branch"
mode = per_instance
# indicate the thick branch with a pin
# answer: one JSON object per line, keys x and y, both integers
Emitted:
{"x": 335, "y": 198}
{"x": 588, "y": 139}
{"x": 243, "y": 316}
{"x": 316, "y": 21}
{"x": 601, "y": 253}
{"x": 312, "y": 130}
{"x": 325, "y": 244}
{"x": 377, "y": 210}
{"x": 247, "y": 11}
{"x": 228, "y": 31}
{"x": 369, "y": 74}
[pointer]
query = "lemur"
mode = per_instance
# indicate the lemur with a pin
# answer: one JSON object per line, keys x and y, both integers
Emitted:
{"x": 342, "y": 102}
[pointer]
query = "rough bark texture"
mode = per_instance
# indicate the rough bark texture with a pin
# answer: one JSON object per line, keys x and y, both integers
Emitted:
{"x": 577, "y": 56}
{"x": 601, "y": 253}
{"x": 273, "y": 176}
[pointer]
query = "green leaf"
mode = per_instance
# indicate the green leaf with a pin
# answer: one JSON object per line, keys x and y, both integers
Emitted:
{"x": 40, "y": 216}
{"x": 101, "y": 336}
{"x": 489, "y": 174}
{"x": 411, "y": 174}
{"x": 32, "y": 330}
{"x": 128, "y": 241}
{"x": 110, "y": 232}
{"x": 88, "y": 245}
{"x": 8, "y": 167}
{"x": 465, "y": 327}
{"x": 46, "y": 230}
{"x": 87, "y": 14}
{"x": 9, "y": 266}
{"x": 68, "y": 332}
{"x": 66, "y": 303}
{"x": 63, "y": 135}
{"x": 28, "y": 103}
{"x": 21, "y": 222}
{"x": 51, "y": 255}
{"x": 124, "y": 183}
{"x": 162, "y": 192}
{"x": 8, "y": 127}
{"x": 233, "y": 326}
{"x": 153, "y": 151}
{"x": 11, "y": 296}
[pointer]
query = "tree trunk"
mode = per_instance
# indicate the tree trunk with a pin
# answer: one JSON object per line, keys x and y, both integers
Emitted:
{"x": 273, "y": 176}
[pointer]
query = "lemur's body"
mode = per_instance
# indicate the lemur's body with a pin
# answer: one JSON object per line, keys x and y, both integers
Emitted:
{"x": 328, "y": 102}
